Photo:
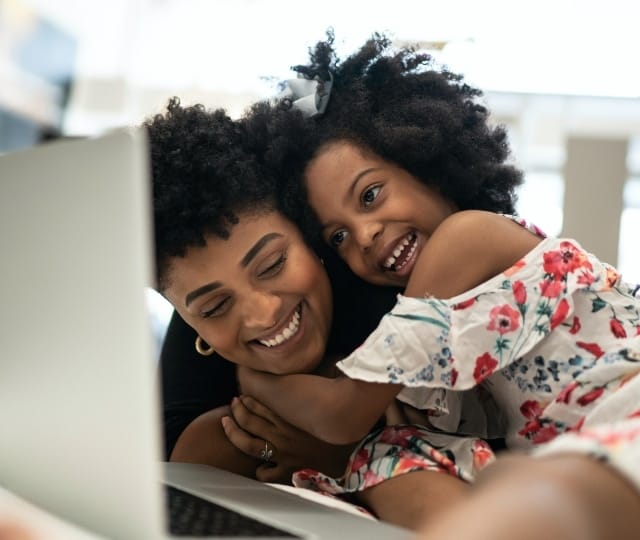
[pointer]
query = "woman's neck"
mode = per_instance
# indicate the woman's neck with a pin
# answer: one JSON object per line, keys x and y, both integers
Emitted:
{"x": 327, "y": 367}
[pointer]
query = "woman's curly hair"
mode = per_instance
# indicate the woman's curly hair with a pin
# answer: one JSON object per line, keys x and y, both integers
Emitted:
{"x": 203, "y": 174}
{"x": 400, "y": 105}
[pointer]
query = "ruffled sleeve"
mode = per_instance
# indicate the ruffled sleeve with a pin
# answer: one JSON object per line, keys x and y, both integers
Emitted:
{"x": 433, "y": 343}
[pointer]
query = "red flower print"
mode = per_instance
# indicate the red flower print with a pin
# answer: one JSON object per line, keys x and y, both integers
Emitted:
{"x": 565, "y": 394}
{"x": 565, "y": 260}
{"x": 445, "y": 464}
{"x": 514, "y": 268}
{"x": 626, "y": 378}
{"x": 545, "y": 434}
{"x": 638, "y": 330}
{"x": 454, "y": 376}
{"x": 504, "y": 319}
{"x": 593, "y": 348}
{"x": 370, "y": 479}
{"x": 399, "y": 436}
{"x": 464, "y": 304}
{"x": 577, "y": 426}
{"x": 406, "y": 464}
{"x": 361, "y": 458}
{"x": 551, "y": 288}
{"x": 531, "y": 409}
{"x": 611, "y": 436}
{"x": 485, "y": 365}
{"x": 560, "y": 314}
{"x": 590, "y": 396}
{"x": 586, "y": 278}
{"x": 482, "y": 454}
{"x": 612, "y": 276}
{"x": 575, "y": 327}
{"x": 519, "y": 292}
{"x": 531, "y": 427}
{"x": 634, "y": 414}
{"x": 617, "y": 329}
{"x": 305, "y": 474}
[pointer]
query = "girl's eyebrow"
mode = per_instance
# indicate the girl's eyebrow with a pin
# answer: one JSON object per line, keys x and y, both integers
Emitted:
{"x": 248, "y": 257}
{"x": 355, "y": 181}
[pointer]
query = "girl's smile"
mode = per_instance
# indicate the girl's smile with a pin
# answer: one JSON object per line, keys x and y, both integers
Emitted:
{"x": 374, "y": 213}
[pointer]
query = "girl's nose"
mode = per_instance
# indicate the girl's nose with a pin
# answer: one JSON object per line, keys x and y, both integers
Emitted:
{"x": 367, "y": 234}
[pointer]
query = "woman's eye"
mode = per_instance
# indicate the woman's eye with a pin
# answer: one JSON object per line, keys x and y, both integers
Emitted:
{"x": 369, "y": 195}
{"x": 274, "y": 268}
{"x": 218, "y": 309}
{"x": 337, "y": 238}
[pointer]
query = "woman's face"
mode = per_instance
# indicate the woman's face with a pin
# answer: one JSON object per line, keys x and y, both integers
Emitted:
{"x": 260, "y": 298}
{"x": 374, "y": 213}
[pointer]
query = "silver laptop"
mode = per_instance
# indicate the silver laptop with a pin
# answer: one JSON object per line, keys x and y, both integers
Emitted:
{"x": 79, "y": 403}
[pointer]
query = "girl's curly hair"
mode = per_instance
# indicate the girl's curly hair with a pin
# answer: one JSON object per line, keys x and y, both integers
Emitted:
{"x": 203, "y": 174}
{"x": 399, "y": 105}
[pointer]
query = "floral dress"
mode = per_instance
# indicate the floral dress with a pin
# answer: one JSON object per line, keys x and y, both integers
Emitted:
{"x": 555, "y": 339}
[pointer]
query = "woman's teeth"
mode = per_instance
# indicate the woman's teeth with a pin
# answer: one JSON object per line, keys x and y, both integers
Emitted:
{"x": 290, "y": 331}
{"x": 389, "y": 264}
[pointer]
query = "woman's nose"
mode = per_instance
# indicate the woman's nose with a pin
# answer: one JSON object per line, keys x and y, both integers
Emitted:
{"x": 261, "y": 309}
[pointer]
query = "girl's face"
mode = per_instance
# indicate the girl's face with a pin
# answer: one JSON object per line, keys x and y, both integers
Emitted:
{"x": 374, "y": 213}
{"x": 260, "y": 298}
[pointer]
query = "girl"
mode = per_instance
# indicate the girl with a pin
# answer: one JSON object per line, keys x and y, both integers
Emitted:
{"x": 544, "y": 326}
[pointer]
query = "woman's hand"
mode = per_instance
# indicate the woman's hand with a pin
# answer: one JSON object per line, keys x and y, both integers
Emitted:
{"x": 251, "y": 425}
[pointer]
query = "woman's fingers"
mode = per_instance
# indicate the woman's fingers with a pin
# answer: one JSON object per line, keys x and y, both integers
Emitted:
{"x": 250, "y": 421}
{"x": 245, "y": 442}
{"x": 259, "y": 409}
{"x": 274, "y": 473}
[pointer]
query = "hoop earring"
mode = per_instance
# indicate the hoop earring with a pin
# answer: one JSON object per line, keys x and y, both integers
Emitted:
{"x": 203, "y": 348}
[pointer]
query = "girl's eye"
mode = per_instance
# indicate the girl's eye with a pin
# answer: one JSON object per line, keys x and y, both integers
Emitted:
{"x": 369, "y": 195}
{"x": 218, "y": 309}
{"x": 337, "y": 238}
{"x": 274, "y": 268}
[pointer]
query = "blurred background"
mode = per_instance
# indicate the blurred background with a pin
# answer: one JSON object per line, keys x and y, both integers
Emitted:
{"x": 561, "y": 75}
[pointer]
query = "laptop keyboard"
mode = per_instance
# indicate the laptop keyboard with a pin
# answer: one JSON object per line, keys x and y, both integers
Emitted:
{"x": 192, "y": 516}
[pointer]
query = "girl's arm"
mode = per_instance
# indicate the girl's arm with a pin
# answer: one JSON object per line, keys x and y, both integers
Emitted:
{"x": 338, "y": 411}
{"x": 467, "y": 249}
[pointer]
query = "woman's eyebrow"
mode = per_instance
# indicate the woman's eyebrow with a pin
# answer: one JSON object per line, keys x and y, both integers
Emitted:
{"x": 200, "y": 291}
{"x": 250, "y": 255}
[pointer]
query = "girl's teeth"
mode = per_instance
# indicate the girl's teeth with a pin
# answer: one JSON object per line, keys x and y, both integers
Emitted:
{"x": 396, "y": 252}
{"x": 286, "y": 334}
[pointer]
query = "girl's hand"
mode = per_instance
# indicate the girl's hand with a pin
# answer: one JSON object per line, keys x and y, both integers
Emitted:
{"x": 256, "y": 383}
{"x": 251, "y": 424}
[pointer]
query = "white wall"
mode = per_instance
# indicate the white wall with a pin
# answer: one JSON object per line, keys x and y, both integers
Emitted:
{"x": 553, "y": 71}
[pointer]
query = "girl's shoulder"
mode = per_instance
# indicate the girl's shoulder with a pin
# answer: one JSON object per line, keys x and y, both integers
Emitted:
{"x": 480, "y": 222}
{"x": 530, "y": 226}
{"x": 481, "y": 230}
{"x": 466, "y": 249}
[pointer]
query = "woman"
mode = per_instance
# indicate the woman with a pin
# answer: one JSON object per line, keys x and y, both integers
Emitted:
{"x": 242, "y": 276}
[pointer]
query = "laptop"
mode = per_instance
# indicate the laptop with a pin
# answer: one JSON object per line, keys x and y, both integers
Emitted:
{"x": 79, "y": 401}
